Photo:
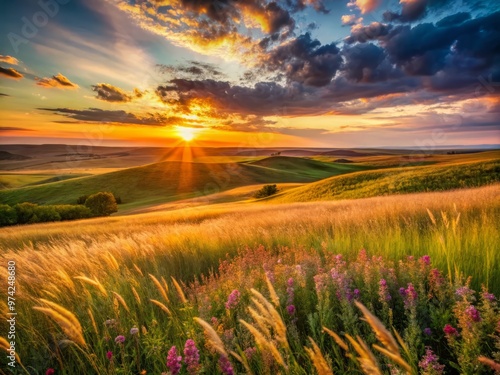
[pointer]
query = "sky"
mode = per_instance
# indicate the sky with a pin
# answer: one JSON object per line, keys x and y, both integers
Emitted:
{"x": 255, "y": 73}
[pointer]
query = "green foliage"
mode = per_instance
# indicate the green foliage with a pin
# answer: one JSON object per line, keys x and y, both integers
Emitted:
{"x": 101, "y": 204}
{"x": 266, "y": 191}
{"x": 8, "y": 215}
{"x": 25, "y": 212}
{"x": 42, "y": 214}
{"x": 81, "y": 199}
{"x": 73, "y": 212}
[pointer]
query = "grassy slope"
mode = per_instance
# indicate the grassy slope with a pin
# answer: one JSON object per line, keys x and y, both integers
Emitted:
{"x": 167, "y": 181}
{"x": 397, "y": 181}
{"x": 17, "y": 180}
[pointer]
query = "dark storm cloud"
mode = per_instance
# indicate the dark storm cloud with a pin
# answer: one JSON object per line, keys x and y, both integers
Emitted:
{"x": 10, "y": 73}
{"x": 108, "y": 116}
{"x": 454, "y": 19}
{"x": 373, "y": 31}
{"x": 304, "y": 60}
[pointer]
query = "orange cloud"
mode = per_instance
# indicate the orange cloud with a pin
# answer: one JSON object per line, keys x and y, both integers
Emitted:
{"x": 58, "y": 81}
{"x": 10, "y": 73}
{"x": 365, "y": 6}
{"x": 9, "y": 59}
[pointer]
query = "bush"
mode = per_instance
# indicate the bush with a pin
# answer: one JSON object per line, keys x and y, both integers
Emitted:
{"x": 101, "y": 204}
{"x": 266, "y": 191}
{"x": 8, "y": 215}
{"x": 73, "y": 212}
{"x": 81, "y": 199}
{"x": 25, "y": 212}
{"x": 43, "y": 214}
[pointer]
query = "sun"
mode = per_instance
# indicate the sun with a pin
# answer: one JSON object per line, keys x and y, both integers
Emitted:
{"x": 186, "y": 134}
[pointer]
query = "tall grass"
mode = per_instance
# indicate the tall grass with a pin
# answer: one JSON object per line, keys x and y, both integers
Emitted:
{"x": 100, "y": 269}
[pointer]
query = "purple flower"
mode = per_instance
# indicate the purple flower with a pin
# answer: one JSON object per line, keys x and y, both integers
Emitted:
{"x": 174, "y": 361}
{"x": 356, "y": 293}
{"x": 191, "y": 356}
{"x": 409, "y": 295}
{"x": 50, "y": 371}
{"x": 225, "y": 365}
{"x": 426, "y": 259}
{"x": 134, "y": 331}
{"x": 120, "y": 339}
{"x": 473, "y": 314}
{"x": 450, "y": 330}
{"x": 290, "y": 291}
{"x": 429, "y": 363}
{"x": 290, "y": 309}
{"x": 109, "y": 355}
{"x": 233, "y": 299}
{"x": 249, "y": 352}
{"x": 402, "y": 291}
{"x": 427, "y": 331}
{"x": 489, "y": 296}
{"x": 464, "y": 292}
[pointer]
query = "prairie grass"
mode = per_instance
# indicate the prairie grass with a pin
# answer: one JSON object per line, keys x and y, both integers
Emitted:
{"x": 159, "y": 271}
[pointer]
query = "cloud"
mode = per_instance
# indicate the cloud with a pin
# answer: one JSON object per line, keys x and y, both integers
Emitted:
{"x": 304, "y": 60}
{"x": 413, "y": 10}
{"x": 365, "y": 6}
{"x": 350, "y": 19}
{"x": 111, "y": 93}
{"x": 10, "y": 73}
{"x": 14, "y": 128}
{"x": 3, "y": 95}
{"x": 57, "y": 81}
{"x": 190, "y": 69}
{"x": 98, "y": 115}
{"x": 9, "y": 60}
{"x": 362, "y": 34}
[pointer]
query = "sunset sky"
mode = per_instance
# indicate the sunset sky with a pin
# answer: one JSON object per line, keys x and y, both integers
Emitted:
{"x": 339, "y": 73}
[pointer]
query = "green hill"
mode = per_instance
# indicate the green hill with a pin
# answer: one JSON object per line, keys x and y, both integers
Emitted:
{"x": 172, "y": 180}
{"x": 396, "y": 181}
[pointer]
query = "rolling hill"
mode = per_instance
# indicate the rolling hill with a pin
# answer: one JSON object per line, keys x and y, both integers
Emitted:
{"x": 396, "y": 181}
{"x": 172, "y": 180}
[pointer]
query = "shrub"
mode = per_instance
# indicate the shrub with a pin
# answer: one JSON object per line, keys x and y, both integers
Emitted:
{"x": 42, "y": 214}
{"x": 101, "y": 204}
{"x": 81, "y": 199}
{"x": 266, "y": 191}
{"x": 8, "y": 215}
{"x": 25, "y": 212}
{"x": 73, "y": 212}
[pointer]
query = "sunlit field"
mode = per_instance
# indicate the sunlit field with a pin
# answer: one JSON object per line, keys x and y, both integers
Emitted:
{"x": 114, "y": 295}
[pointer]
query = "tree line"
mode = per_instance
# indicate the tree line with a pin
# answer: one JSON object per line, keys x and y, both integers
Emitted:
{"x": 96, "y": 205}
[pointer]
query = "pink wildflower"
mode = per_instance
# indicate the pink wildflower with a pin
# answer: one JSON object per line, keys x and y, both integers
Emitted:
{"x": 225, "y": 365}
{"x": 233, "y": 299}
{"x": 174, "y": 361}
{"x": 191, "y": 356}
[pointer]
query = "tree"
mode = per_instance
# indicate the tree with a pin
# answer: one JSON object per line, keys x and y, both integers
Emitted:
{"x": 266, "y": 191}
{"x": 101, "y": 204}
{"x": 8, "y": 215}
{"x": 81, "y": 199}
{"x": 25, "y": 212}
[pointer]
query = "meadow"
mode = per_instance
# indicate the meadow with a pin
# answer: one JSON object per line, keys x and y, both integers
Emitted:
{"x": 115, "y": 295}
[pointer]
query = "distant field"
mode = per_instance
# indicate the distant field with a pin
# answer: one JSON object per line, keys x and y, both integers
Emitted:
{"x": 16, "y": 180}
{"x": 397, "y": 181}
{"x": 168, "y": 181}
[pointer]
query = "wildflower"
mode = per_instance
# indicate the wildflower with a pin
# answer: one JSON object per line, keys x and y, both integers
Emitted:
{"x": 356, "y": 293}
{"x": 450, "y": 331}
{"x": 473, "y": 314}
{"x": 427, "y": 331}
{"x": 409, "y": 296}
{"x": 233, "y": 299}
{"x": 120, "y": 339}
{"x": 110, "y": 323}
{"x": 402, "y": 292}
{"x": 143, "y": 372}
{"x": 320, "y": 281}
{"x": 134, "y": 330}
{"x": 465, "y": 292}
{"x": 290, "y": 309}
{"x": 174, "y": 361}
{"x": 429, "y": 363}
{"x": 50, "y": 371}
{"x": 109, "y": 355}
{"x": 215, "y": 321}
{"x": 383, "y": 291}
{"x": 250, "y": 352}
{"x": 426, "y": 260}
{"x": 290, "y": 291}
{"x": 191, "y": 356}
{"x": 225, "y": 365}
{"x": 489, "y": 296}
